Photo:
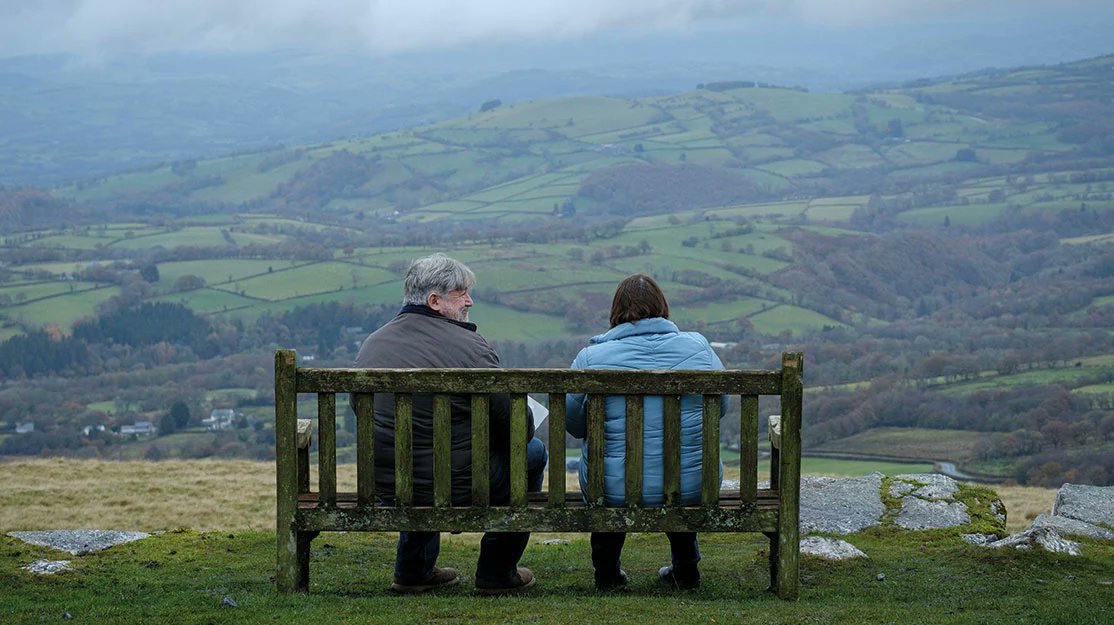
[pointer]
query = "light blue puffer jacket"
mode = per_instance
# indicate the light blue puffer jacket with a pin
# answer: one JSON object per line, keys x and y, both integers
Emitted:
{"x": 645, "y": 344}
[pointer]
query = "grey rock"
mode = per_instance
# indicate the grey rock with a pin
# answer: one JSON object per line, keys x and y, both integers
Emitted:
{"x": 1091, "y": 504}
{"x": 78, "y": 542}
{"x": 555, "y": 541}
{"x": 880, "y": 577}
{"x": 901, "y": 489}
{"x": 998, "y": 509}
{"x": 1067, "y": 526}
{"x": 933, "y": 485}
{"x": 1045, "y": 537}
{"x": 918, "y": 514}
{"x": 729, "y": 485}
{"x": 66, "y": 616}
{"x": 830, "y": 548}
{"x": 48, "y": 567}
{"x": 979, "y": 539}
{"x": 841, "y": 506}
{"x": 229, "y": 602}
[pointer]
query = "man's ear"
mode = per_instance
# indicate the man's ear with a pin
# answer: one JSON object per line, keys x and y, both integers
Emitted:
{"x": 433, "y": 301}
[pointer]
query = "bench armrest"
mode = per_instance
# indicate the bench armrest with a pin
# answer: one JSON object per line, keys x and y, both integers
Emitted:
{"x": 305, "y": 433}
{"x": 774, "y": 425}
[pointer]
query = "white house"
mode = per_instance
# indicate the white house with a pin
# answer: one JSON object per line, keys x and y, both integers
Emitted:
{"x": 25, "y": 428}
{"x": 219, "y": 419}
{"x": 139, "y": 428}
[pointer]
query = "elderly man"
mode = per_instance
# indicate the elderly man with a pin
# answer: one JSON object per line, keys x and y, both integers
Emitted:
{"x": 432, "y": 330}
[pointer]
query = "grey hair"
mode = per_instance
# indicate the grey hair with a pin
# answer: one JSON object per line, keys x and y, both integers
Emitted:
{"x": 435, "y": 273}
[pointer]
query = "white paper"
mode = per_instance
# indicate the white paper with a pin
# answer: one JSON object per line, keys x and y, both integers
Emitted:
{"x": 540, "y": 412}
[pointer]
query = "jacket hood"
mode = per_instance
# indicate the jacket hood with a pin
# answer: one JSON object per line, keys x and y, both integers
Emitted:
{"x": 653, "y": 325}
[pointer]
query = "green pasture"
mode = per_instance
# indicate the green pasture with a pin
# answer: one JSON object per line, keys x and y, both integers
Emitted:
{"x": 716, "y": 312}
{"x": 850, "y": 157}
{"x": 8, "y": 331}
{"x": 921, "y": 152}
{"x": 1096, "y": 389}
{"x": 30, "y": 291}
{"x": 89, "y": 241}
{"x": 839, "y": 126}
{"x": 837, "y": 467}
{"x": 788, "y": 105}
{"x": 311, "y": 279}
{"x": 928, "y": 172}
{"x": 1007, "y": 156}
{"x": 208, "y": 300}
{"x": 791, "y": 167}
{"x": 1105, "y": 300}
{"x": 834, "y": 212}
{"x": 60, "y": 311}
{"x": 757, "y": 139}
{"x": 56, "y": 268}
{"x": 217, "y": 271}
{"x": 954, "y": 445}
{"x": 1067, "y": 376}
{"x": 793, "y": 318}
{"x": 196, "y": 236}
{"x": 762, "y": 153}
{"x": 124, "y": 184}
{"x": 776, "y": 210}
{"x": 229, "y": 394}
{"x": 970, "y": 215}
{"x": 499, "y": 323}
{"x": 248, "y": 183}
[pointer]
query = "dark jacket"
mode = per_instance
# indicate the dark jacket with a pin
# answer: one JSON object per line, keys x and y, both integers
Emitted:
{"x": 421, "y": 338}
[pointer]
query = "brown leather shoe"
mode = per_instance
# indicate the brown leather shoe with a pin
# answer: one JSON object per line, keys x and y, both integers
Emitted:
{"x": 522, "y": 580}
{"x": 439, "y": 578}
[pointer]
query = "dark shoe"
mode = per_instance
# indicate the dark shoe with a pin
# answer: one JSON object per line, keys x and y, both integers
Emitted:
{"x": 671, "y": 578}
{"x": 612, "y": 582}
{"x": 440, "y": 578}
{"x": 522, "y": 580}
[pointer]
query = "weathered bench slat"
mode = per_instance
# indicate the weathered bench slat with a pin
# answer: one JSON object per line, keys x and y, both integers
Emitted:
{"x": 365, "y": 447}
{"x": 748, "y": 446}
{"x": 442, "y": 451}
{"x": 327, "y": 447}
{"x": 404, "y": 449}
{"x": 287, "y": 570}
{"x": 481, "y": 451}
{"x": 518, "y": 449}
{"x": 728, "y": 498}
{"x": 576, "y": 516}
{"x": 595, "y": 449}
{"x": 789, "y": 468}
{"x": 556, "y": 449}
{"x": 592, "y": 381}
{"x": 710, "y": 478}
{"x": 635, "y": 427}
{"x": 671, "y": 449}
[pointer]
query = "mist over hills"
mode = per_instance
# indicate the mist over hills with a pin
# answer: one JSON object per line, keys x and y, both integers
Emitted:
{"x": 72, "y": 114}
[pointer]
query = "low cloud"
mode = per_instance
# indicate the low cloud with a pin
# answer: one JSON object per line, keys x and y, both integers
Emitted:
{"x": 100, "y": 27}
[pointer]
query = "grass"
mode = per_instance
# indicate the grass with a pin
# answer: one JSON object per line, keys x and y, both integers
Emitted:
{"x": 183, "y": 576}
{"x": 955, "y": 445}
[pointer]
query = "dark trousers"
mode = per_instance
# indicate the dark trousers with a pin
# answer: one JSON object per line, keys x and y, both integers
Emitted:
{"x": 607, "y": 547}
{"x": 500, "y": 552}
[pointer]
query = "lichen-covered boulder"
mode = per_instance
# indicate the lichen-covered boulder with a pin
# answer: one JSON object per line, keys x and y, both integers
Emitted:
{"x": 921, "y": 514}
{"x": 1044, "y": 537}
{"x": 1066, "y": 527}
{"x": 1090, "y": 504}
{"x": 830, "y": 548}
{"x": 841, "y": 506}
{"x": 78, "y": 542}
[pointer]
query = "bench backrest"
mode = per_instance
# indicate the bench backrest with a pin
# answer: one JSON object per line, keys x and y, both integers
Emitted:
{"x": 365, "y": 384}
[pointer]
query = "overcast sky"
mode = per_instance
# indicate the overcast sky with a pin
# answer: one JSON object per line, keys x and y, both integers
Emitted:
{"x": 110, "y": 27}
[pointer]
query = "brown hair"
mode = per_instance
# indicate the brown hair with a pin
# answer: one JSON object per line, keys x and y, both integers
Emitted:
{"x": 638, "y": 297}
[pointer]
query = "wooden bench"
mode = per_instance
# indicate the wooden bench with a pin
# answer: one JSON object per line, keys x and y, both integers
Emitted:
{"x": 302, "y": 513}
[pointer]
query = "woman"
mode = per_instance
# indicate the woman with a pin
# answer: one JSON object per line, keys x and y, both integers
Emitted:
{"x": 642, "y": 337}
